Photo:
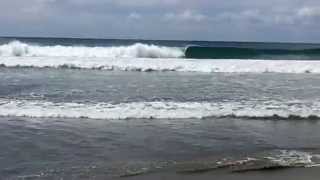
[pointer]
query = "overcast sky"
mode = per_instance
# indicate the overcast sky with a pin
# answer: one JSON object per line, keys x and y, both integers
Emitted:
{"x": 228, "y": 20}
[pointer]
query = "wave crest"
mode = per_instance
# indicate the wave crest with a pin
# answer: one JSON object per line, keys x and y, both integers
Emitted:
{"x": 138, "y": 50}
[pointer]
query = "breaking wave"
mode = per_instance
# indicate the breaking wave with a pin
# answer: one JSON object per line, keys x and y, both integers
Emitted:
{"x": 180, "y": 65}
{"x": 142, "y": 57}
{"x": 138, "y": 50}
{"x": 160, "y": 110}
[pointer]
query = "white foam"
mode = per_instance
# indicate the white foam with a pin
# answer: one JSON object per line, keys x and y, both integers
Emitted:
{"x": 157, "y": 110}
{"x": 17, "y": 48}
{"x": 181, "y": 65}
{"x": 275, "y": 159}
{"x": 290, "y": 158}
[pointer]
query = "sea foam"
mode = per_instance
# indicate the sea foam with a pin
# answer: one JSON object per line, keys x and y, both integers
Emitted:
{"x": 139, "y": 57}
{"x": 166, "y": 64}
{"x": 160, "y": 110}
{"x": 138, "y": 50}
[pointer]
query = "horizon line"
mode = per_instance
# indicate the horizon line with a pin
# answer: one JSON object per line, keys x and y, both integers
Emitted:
{"x": 143, "y": 39}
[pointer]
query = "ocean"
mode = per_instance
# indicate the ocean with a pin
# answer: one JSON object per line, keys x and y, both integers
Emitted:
{"x": 147, "y": 109}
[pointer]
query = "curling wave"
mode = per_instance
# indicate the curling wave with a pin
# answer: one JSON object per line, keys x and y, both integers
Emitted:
{"x": 138, "y": 50}
{"x": 180, "y": 65}
{"x": 160, "y": 110}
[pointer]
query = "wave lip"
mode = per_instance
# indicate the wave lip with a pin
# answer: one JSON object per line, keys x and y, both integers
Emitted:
{"x": 138, "y": 50}
{"x": 159, "y": 110}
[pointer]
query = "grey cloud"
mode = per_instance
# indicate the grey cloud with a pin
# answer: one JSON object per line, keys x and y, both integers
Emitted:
{"x": 187, "y": 15}
{"x": 133, "y": 3}
{"x": 282, "y": 20}
{"x": 134, "y": 16}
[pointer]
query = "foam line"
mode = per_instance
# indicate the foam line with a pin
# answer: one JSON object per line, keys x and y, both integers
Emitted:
{"x": 180, "y": 65}
{"x": 160, "y": 110}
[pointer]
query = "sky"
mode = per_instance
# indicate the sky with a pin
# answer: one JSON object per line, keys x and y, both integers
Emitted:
{"x": 212, "y": 20}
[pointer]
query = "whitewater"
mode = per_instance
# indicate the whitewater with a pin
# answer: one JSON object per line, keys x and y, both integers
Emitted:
{"x": 161, "y": 110}
{"x": 139, "y": 57}
{"x": 20, "y": 49}
{"x": 179, "y": 65}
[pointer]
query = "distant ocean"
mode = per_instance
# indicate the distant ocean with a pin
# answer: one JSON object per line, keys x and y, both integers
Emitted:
{"x": 98, "y": 109}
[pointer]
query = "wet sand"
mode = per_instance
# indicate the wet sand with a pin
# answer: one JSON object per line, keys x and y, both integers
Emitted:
{"x": 283, "y": 174}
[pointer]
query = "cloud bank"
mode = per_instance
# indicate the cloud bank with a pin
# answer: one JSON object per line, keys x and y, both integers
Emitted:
{"x": 235, "y": 20}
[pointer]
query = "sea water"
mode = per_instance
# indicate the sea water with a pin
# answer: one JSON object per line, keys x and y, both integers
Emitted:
{"x": 99, "y": 109}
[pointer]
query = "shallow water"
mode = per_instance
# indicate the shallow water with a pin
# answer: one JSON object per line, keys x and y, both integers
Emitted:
{"x": 68, "y": 85}
{"x": 40, "y": 146}
{"x": 64, "y": 148}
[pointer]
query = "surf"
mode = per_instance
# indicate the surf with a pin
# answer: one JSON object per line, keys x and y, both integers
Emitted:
{"x": 276, "y": 51}
{"x": 165, "y": 64}
{"x": 161, "y": 110}
{"x": 137, "y": 50}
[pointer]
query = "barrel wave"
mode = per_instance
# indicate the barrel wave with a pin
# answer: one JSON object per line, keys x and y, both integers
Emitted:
{"x": 145, "y": 56}
{"x": 146, "y": 50}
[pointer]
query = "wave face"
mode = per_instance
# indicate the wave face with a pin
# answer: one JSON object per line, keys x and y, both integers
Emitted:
{"x": 199, "y": 52}
{"x": 180, "y": 65}
{"x": 143, "y": 57}
{"x": 160, "y": 110}
{"x": 138, "y": 50}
